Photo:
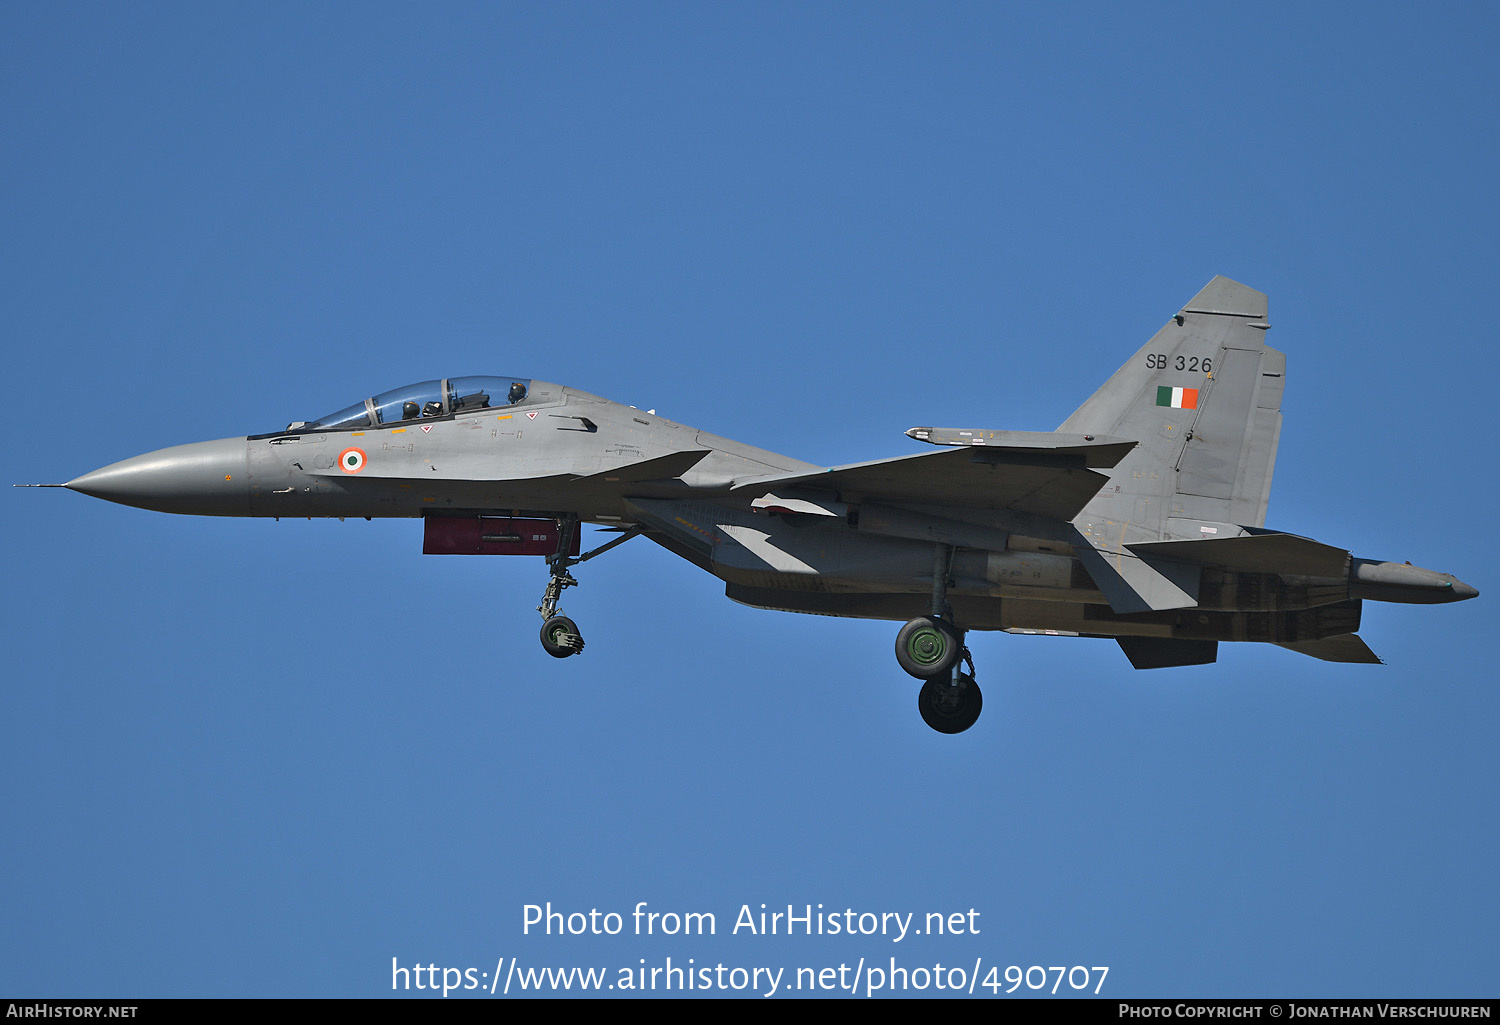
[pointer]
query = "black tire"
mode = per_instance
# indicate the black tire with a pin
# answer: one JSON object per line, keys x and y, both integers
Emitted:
{"x": 950, "y": 709}
{"x": 928, "y": 648}
{"x": 561, "y": 638}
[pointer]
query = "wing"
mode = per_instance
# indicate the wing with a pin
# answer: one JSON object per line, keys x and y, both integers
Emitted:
{"x": 1049, "y": 476}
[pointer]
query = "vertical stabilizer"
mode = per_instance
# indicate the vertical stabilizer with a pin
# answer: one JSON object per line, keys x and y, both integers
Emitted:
{"x": 1203, "y": 398}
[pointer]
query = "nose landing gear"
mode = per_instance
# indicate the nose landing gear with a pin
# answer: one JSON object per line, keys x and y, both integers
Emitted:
{"x": 560, "y": 636}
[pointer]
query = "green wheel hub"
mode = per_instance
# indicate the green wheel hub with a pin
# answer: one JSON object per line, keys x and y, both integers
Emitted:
{"x": 927, "y": 646}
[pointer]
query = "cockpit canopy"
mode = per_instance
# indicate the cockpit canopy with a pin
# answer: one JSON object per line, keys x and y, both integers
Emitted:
{"x": 423, "y": 401}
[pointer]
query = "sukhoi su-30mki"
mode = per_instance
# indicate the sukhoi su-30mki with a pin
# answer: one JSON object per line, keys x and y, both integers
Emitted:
{"x": 1142, "y": 518}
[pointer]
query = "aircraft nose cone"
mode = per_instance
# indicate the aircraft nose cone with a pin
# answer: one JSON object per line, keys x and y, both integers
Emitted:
{"x": 1463, "y": 592}
{"x": 207, "y": 478}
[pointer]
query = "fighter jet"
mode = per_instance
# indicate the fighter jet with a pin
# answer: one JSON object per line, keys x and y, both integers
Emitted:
{"x": 1141, "y": 519}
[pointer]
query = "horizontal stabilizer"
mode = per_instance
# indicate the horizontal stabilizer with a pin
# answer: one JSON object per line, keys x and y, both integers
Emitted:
{"x": 1167, "y": 652}
{"x": 1253, "y": 553}
{"x": 1338, "y": 648}
{"x": 1050, "y": 478}
{"x": 666, "y": 467}
{"x": 1132, "y": 584}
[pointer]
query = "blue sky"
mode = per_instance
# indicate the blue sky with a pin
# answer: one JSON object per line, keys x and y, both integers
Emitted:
{"x": 257, "y": 758}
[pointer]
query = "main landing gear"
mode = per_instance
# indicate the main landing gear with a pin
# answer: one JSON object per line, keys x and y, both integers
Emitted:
{"x": 931, "y": 648}
{"x": 560, "y": 636}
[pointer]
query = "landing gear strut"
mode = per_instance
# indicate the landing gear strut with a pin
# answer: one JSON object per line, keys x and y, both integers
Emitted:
{"x": 931, "y": 648}
{"x": 560, "y": 636}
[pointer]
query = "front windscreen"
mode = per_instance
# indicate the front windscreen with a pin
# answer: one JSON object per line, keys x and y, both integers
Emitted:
{"x": 354, "y": 417}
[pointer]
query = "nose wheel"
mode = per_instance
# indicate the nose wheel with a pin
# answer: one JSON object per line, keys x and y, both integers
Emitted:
{"x": 560, "y": 637}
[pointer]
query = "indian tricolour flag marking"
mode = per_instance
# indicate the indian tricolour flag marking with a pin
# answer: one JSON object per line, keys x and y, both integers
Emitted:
{"x": 1177, "y": 398}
